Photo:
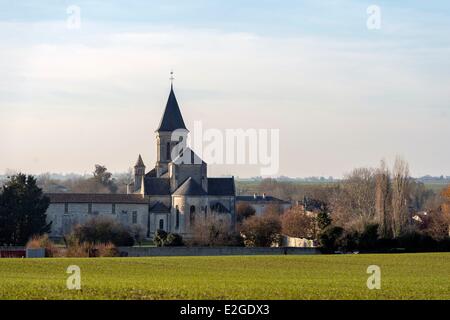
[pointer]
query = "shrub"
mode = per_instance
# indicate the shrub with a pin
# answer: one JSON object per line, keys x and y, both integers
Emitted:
{"x": 234, "y": 239}
{"x": 444, "y": 245}
{"x": 124, "y": 239}
{"x": 369, "y": 237}
{"x": 103, "y": 230}
{"x": 173, "y": 240}
{"x": 349, "y": 241}
{"x": 87, "y": 249}
{"x": 263, "y": 231}
{"x": 331, "y": 238}
{"x": 437, "y": 223}
{"x": 159, "y": 238}
{"x": 298, "y": 224}
{"x": 106, "y": 250}
{"x": 212, "y": 231}
{"x": 415, "y": 241}
{"x": 335, "y": 238}
{"x": 164, "y": 239}
{"x": 244, "y": 211}
{"x": 138, "y": 233}
{"x": 387, "y": 244}
{"x": 79, "y": 250}
{"x": 44, "y": 242}
{"x": 323, "y": 219}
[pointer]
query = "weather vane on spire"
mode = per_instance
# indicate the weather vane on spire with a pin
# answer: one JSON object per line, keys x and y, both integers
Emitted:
{"x": 171, "y": 77}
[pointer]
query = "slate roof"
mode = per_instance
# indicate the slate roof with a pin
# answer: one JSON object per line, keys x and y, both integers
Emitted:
{"x": 151, "y": 173}
{"x": 160, "y": 207}
{"x": 221, "y": 187}
{"x": 260, "y": 199}
{"x": 190, "y": 188}
{"x": 165, "y": 175}
{"x": 172, "y": 118}
{"x": 188, "y": 157}
{"x": 96, "y": 198}
{"x": 157, "y": 186}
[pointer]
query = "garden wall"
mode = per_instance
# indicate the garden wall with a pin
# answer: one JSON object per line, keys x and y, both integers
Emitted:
{"x": 211, "y": 251}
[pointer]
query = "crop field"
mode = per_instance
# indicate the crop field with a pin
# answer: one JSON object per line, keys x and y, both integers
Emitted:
{"x": 403, "y": 276}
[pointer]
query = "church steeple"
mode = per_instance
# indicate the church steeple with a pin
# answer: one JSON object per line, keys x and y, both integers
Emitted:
{"x": 139, "y": 173}
{"x": 171, "y": 133}
{"x": 139, "y": 163}
{"x": 172, "y": 118}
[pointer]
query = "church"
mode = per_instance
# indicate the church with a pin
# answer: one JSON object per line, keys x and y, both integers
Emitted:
{"x": 175, "y": 195}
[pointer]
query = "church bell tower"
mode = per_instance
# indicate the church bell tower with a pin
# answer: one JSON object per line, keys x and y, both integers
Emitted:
{"x": 139, "y": 173}
{"x": 171, "y": 132}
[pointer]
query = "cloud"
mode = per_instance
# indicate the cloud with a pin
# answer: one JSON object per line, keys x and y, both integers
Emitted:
{"x": 75, "y": 98}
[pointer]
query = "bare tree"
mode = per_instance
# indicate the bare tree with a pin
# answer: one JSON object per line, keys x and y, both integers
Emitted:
{"x": 383, "y": 200}
{"x": 211, "y": 231}
{"x": 274, "y": 209}
{"x": 124, "y": 179}
{"x": 244, "y": 211}
{"x": 261, "y": 231}
{"x": 297, "y": 223}
{"x": 353, "y": 203}
{"x": 138, "y": 233}
{"x": 400, "y": 194}
{"x": 436, "y": 224}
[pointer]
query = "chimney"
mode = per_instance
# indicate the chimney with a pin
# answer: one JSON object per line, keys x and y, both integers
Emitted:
{"x": 264, "y": 195}
{"x": 254, "y": 196}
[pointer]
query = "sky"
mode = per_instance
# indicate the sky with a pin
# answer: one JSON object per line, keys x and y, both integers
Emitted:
{"x": 342, "y": 95}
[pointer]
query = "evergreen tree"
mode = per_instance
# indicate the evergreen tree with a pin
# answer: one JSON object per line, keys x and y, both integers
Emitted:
{"x": 323, "y": 218}
{"x": 22, "y": 210}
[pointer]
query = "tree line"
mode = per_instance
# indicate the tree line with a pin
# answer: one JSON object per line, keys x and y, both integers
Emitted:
{"x": 100, "y": 181}
{"x": 371, "y": 209}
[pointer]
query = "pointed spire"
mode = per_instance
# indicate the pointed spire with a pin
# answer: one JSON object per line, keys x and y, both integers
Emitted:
{"x": 171, "y": 79}
{"x": 172, "y": 118}
{"x": 139, "y": 162}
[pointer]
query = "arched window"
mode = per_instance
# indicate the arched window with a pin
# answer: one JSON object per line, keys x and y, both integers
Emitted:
{"x": 177, "y": 218}
{"x": 192, "y": 215}
{"x": 161, "y": 224}
{"x": 168, "y": 156}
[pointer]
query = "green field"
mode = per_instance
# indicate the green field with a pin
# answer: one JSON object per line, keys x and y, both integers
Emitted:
{"x": 405, "y": 276}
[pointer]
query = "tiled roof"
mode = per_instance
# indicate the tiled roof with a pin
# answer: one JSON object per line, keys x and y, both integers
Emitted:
{"x": 96, "y": 198}
{"x": 221, "y": 187}
{"x": 157, "y": 186}
{"x": 190, "y": 188}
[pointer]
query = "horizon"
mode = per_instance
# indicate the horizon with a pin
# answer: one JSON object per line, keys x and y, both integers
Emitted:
{"x": 68, "y": 175}
{"x": 341, "y": 95}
